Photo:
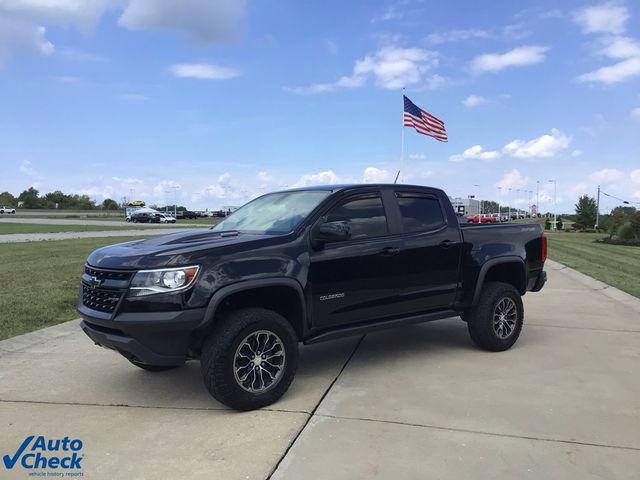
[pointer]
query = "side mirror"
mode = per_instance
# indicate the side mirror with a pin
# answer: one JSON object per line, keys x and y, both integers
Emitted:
{"x": 333, "y": 232}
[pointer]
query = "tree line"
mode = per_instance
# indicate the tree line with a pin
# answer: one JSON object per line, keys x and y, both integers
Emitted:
{"x": 31, "y": 198}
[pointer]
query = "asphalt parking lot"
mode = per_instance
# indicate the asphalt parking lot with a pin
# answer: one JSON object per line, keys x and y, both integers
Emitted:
{"x": 419, "y": 402}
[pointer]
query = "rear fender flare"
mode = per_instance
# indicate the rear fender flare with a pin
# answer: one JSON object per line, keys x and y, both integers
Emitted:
{"x": 492, "y": 263}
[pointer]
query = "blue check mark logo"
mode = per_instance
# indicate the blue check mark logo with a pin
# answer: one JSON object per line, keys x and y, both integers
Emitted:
{"x": 10, "y": 462}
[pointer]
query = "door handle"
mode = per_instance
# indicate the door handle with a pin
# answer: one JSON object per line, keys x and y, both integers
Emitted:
{"x": 389, "y": 251}
{"x": 447, "y": 244}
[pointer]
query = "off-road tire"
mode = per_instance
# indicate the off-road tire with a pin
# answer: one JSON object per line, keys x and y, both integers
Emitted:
{"x": 219, "y": 355}
{"x": 480, "y": 319}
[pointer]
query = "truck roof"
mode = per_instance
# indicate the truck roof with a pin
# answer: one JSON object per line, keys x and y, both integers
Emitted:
{"x": 350, "y": 186}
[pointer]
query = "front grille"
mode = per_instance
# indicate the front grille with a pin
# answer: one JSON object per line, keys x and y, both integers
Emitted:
{"x": 102, "y": 289}
{"x": 101, "y": 274}
{"x": 100, "y": 299}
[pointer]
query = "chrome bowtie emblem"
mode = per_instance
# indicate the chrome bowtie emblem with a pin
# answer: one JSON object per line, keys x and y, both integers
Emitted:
{"x": 94, "y": 281}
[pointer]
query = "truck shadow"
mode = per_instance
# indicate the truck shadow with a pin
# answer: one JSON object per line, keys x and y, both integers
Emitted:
{"x": 428, "y": 344}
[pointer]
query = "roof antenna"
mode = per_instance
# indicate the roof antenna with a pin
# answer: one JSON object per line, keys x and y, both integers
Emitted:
{"x": 396, "y": 180}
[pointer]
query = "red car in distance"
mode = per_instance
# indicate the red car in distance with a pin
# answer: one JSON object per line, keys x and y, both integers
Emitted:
{"x": 483, "y": 218}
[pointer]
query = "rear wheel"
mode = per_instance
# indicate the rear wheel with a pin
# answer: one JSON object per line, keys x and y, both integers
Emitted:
{"x": 250, "y": 358}
{"x": 496, "y": 321}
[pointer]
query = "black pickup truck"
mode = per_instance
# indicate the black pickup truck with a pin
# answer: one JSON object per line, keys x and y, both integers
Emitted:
{"x": 306, "y": 265}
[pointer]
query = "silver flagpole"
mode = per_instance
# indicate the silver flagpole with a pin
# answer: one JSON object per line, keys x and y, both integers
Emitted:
{"x": 402, "y": 143}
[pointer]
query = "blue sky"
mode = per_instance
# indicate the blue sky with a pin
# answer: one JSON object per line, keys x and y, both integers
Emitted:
{"x": 230, "y": 99}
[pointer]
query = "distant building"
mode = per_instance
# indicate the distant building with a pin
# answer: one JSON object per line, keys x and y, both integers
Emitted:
{"x": 465, "y": 206}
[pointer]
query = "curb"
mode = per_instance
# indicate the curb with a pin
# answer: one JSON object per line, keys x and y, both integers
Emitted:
{"x": 596, "y": 285}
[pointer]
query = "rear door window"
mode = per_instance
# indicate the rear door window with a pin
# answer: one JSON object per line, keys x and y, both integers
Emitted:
{"x": 420, "y": 212}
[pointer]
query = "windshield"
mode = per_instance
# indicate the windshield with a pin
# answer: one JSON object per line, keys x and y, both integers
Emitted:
{"x": 273, "y": 214}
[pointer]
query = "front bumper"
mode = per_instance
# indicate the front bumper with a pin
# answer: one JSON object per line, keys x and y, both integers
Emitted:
{"x": 152, "y": 338}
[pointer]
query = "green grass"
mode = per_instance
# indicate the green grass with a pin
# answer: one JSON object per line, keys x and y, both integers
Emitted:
{"x": 39, "y": 282}
{"x": 615, "y": 265}
{"x": 8, "y": 228}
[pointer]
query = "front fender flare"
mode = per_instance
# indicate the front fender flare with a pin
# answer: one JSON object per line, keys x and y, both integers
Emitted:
{"x": 224, "y": 292}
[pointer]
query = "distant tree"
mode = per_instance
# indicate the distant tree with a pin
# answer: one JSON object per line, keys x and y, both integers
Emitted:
{"x": 635, "y": 225}
{"x": 6, "y": 199}
{"x": 30, "y": 198}
{"x": 586, "y": 211}
{"x": 56, "y": 199}
{"x": 618, "y": 218}
{"x": 110, "y": 204}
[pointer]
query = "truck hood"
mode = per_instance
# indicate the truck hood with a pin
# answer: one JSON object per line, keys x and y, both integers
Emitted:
{"x": 173, "y": 249}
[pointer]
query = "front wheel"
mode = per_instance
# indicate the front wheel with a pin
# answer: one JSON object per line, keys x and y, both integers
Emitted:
{"x": 250, "y": 358}
{"x": 496, "y": 321}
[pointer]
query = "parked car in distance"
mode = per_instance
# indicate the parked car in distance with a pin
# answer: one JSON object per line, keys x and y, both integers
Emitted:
{"x": 189, "y": 214}
{"x": 7, "y": 210}
{"x": 305, "y": 266}
{"x": 145, "y": 217}
{"x": 483, "y": 218}
{"x": 136, "y": 203}
{"x": 165, "y": 218}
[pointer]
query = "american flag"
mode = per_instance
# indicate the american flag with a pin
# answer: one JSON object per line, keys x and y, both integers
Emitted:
{"x": 423, "y": 122}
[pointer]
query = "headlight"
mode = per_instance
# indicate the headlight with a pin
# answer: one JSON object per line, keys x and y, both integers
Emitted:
{"x": 166, "y": 280}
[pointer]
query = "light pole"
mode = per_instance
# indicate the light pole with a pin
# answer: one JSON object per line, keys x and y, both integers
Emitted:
{"x": 537, "y": 197}
{"x": 479, "y": 200}
{"x": 509, "y": 202}
{"x": 499, "y": 199}
{"x": 555, "y": 207}
{"x": 175, "y": 203}
{"x": 517, "y": 202}
{"x": 598, "y": 209}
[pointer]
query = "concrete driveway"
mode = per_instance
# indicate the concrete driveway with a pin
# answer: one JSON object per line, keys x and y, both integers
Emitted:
{"x": 420, "y": 402}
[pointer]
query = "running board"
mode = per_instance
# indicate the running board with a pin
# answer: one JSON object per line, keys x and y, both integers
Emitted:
{"x": 368, "y": 327}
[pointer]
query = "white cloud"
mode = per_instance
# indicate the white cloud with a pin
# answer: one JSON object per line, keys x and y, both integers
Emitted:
{"x": 377, "y": 175}
{"x": 635, "y": 177}
{"x": 434, "y": 82}
{"x": 416, "y": 156}
{"x": 576, "y": 153}
{"x": 513, "y": 180}
{"x": 475, "y": 153}
{"x": 635, "y": 113}
{"x": 28, "y": 169}
{"x": 613, "y": 73}
{"x": 606, "y": 175}
{"x": 201, "y": 20}
{"x": 390, "y": 67}
{"x": 327, "y": 177}
{"x": 395, "y": 11}
{"x": 518, "y": 57}
{"x": 542, "y": 147}
{"x": 224, "y": 178}
{"x": 23, "y": 22}
{"x": 166, "y": 189}
{"x": 474, "y": 101}
{"x": 18, "y": 36}
{"x": 619, "y": 47}
{"x": 450, "y": 36}
{"x": 265, "y": 177}
{"x": 608, "y": 17}
{"x": 202, "y": 71}
{"x": 81, "y": 14}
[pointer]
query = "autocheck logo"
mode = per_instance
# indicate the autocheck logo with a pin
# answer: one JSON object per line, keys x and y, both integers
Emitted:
{"x": 38, "y": 452}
